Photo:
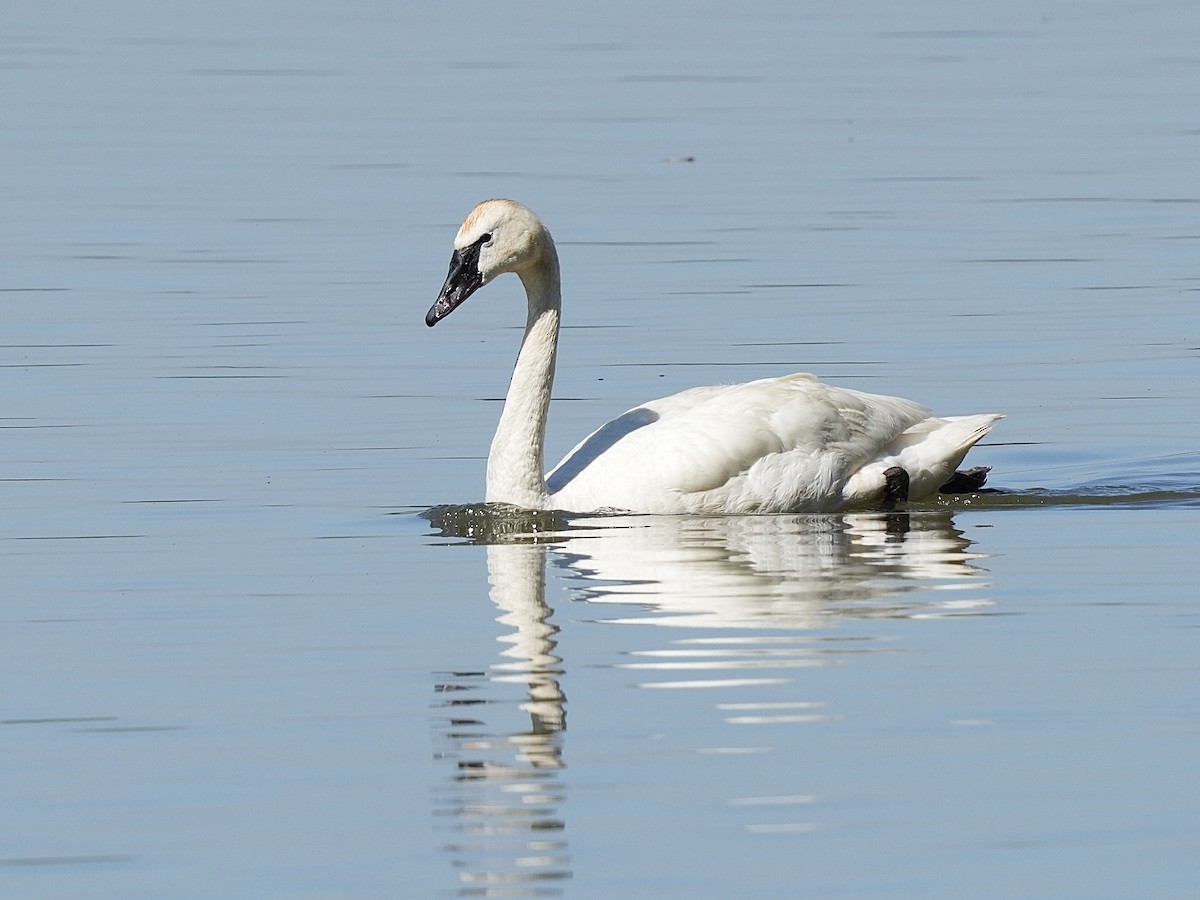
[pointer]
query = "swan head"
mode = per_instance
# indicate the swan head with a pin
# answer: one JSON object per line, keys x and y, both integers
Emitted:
{"x": 498, "y": 236}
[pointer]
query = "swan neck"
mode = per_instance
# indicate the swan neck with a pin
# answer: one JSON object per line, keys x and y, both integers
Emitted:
{"x": 515, "y": 472}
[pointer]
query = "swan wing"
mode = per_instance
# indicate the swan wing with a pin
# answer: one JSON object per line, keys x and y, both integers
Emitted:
{"x": 773, "y": 445}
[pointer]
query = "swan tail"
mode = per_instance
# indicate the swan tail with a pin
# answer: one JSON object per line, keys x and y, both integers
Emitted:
{"x": 930, "y": 452}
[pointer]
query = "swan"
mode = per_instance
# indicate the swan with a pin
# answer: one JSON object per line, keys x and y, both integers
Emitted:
{"x": 785, "y": 444}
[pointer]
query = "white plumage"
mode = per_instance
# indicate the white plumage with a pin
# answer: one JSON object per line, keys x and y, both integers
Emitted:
{"x": 788, "y": 444}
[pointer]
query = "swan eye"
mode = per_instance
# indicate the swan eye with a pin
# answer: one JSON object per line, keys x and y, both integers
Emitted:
{"x": 486, "y": 238}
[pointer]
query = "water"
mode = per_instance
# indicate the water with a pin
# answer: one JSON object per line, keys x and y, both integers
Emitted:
{"x": 238, "y": 661}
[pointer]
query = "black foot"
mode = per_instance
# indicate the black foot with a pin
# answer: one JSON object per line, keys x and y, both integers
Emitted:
{"x": 967, "y": 481}
{"x": 895, "y": 489}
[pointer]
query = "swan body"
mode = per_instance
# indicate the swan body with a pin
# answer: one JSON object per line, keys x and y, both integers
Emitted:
{"x": 786, "y": 444}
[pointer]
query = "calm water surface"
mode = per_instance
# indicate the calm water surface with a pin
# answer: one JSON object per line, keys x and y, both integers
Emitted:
{"x": 240, "y": 660}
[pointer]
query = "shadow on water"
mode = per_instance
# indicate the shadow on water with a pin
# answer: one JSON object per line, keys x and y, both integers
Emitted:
{"x": 1171, "y": 481}
{"x": 1174, "y": 492}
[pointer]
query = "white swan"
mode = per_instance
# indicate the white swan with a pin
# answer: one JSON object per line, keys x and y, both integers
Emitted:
{"x": 788, "y": 444}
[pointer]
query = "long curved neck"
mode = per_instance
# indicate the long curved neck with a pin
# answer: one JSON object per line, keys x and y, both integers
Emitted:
{"x": 515, "y": 470}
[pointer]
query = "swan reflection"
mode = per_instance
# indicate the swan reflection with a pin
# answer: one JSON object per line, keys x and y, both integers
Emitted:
{"x": 777, "y": 572}
{"x": 760, "y": 598}
{"x": 505, "y": 791}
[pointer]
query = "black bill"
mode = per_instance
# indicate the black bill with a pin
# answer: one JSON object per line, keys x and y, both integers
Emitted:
{"x": 461, "y": 282}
